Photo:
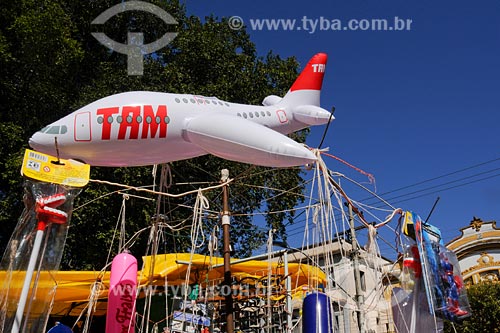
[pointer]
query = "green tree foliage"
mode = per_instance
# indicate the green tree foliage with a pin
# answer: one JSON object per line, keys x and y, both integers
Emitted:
{"x": 484, "y": 300}
{"x": 51, "y": 65}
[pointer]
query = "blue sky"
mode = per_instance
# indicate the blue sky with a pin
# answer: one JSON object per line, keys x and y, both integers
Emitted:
{"x": 411, "y": 105}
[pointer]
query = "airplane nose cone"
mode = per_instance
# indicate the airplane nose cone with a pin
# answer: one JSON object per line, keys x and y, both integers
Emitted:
{"x": 33, "y": 141}
{"x": 38, "y": 142}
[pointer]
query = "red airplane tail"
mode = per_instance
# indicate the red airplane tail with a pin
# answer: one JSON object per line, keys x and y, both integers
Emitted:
{"x": 307, "y": 87}
{"x": 311, "y": 77}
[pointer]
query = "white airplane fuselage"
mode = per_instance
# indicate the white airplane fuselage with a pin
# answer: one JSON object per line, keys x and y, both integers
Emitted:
{"x": 144, "y": 128}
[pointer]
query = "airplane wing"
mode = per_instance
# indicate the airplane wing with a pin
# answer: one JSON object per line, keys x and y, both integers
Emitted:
{"x": 234, "y": 138}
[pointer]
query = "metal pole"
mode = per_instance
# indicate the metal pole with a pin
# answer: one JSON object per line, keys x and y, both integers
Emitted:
{"x": 360, "y": 299}
{"x": 414, "y": 306}
{"x": 27, "y": 279}
{"x": 288, "y": 284}
{"x": 226, "y": 223}
{"x": 268, "y": 287}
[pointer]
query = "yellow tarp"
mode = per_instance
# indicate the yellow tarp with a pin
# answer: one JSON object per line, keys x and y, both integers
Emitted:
{"x": 74, "y": 287}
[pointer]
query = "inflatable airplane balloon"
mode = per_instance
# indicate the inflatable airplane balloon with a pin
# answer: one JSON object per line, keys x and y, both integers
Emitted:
{"x": 144, "y": 128}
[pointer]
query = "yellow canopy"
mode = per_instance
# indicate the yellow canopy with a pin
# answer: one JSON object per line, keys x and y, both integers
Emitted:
{"x": 74, "y": 287}
{"x": 174, "y": 267}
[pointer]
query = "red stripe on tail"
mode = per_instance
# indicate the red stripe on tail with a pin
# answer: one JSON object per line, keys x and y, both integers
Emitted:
{"x": 311, "y": 77}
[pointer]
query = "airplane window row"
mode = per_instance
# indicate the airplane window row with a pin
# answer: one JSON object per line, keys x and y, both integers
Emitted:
{"x": 201, "y": 101}
{"x": 252, "y": 114}
{"x": 129, "y": 119}
{"x": 54, "y": 129}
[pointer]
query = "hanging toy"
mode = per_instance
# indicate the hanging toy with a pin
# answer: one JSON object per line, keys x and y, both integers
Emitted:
{"x": 453, "y": 286}
{"x": 46, "y": 213}
{"x": 35, "y": 249}
{"x": 317, "y": 314}
{"x": 412, "y": 268}
{"x": 120, "y": 315}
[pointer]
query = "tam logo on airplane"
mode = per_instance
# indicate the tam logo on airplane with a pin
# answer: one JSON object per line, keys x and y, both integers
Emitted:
{"x": 318, "y": 68}
{"x": 136, "y": 122}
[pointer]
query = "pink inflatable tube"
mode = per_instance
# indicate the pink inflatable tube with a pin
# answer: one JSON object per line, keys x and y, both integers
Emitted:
{"x": 122, "y": 294}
